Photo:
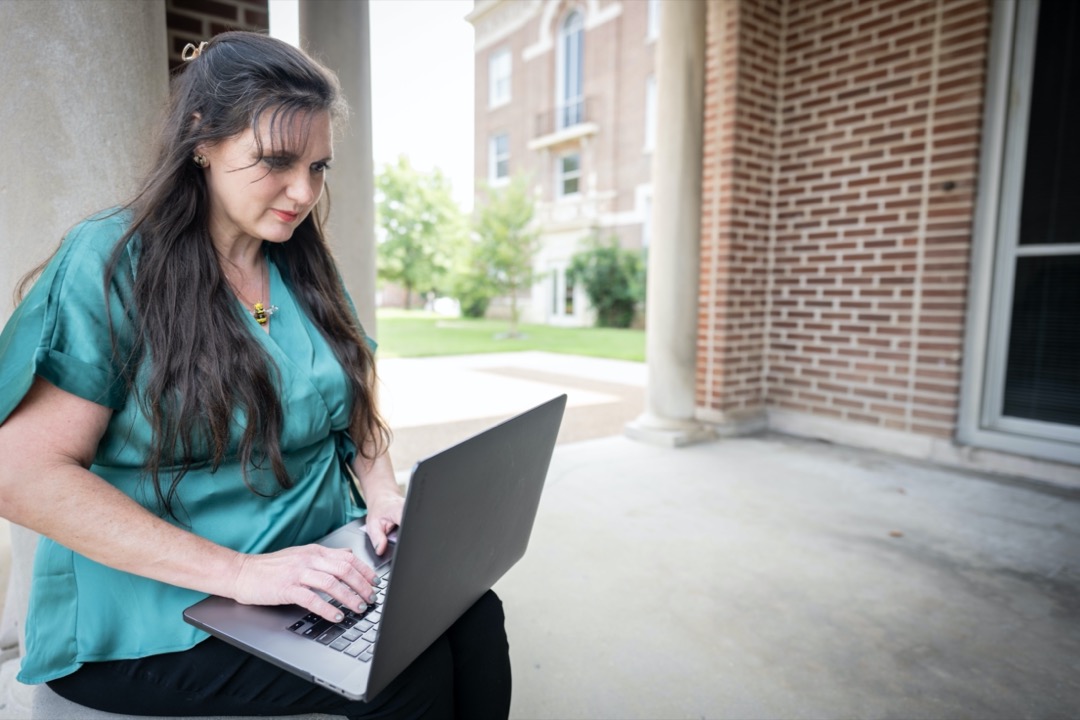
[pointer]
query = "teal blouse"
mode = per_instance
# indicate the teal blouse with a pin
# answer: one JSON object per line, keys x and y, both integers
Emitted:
{"x": 82, "y": 611}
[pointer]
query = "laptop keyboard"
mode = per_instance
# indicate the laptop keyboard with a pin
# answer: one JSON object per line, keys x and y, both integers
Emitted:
{"x": 355, "y": 635}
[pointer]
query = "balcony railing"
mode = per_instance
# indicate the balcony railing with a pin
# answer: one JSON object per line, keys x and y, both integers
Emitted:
{"x": 565, "y": 116}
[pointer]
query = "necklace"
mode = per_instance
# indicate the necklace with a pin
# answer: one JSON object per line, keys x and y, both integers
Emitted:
{"x": 259, "y": 310}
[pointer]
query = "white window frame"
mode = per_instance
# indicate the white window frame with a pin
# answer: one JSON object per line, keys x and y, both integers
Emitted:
{"x": 566, "y": 98}
{"x": 494, "y": 157}
{"x": 500, "y": 78}
{"x": 561, "y": 176}
{"x": 995, "y": 249}
{"x": 652, "y": 27}
{"x": 650, "y": 113}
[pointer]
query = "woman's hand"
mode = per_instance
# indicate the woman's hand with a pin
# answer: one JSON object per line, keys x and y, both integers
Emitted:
{"x": 297, "y": 575}
{"x": 383, "y": 515}
{"x": 382, "y": 495}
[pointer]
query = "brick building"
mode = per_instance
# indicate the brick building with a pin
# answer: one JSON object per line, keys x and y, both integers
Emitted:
{"x": 877, "y": 199}
{"x": 565, "y": 95}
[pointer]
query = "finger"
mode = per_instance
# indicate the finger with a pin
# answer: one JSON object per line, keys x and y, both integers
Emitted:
{"x": 375, "y": 535}
{"x": 335, "y": 589}
{"x": 385, "y": 525}
{"x": 354, "y": 561}
{"x": 311, "y": 601}
{"x": 342, "y": 581}
{"x": 357, "y": 573}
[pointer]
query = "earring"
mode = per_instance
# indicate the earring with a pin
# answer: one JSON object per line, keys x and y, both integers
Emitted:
{"x": 201, "y": 161}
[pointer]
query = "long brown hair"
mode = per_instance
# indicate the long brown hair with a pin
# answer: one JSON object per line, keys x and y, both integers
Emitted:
{"x": 204, "y": 366}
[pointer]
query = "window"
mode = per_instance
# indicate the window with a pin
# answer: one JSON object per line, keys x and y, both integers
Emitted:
{"x": 562, "y": 293}
{"x": 569, "y": 174}
{"x": 646, "y": 223}
{"x": 569, "y": 103}
{"x": 653, "y": 28}
{"x": 1022, "y": 388}
{"x": 499, "y": 69}
{"x": 499, "y": 159}
{"x": 650, "y": 113}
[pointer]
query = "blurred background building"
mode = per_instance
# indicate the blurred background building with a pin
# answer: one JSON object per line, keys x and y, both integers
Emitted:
{"x": 887, "y": 239}
{"x": 566, "y": 96}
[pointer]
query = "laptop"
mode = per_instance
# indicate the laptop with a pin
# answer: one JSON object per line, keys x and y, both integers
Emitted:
{"x": 469, "y": 511}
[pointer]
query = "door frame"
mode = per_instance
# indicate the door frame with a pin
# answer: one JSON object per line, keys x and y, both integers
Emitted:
{"x": 994, "y": 235}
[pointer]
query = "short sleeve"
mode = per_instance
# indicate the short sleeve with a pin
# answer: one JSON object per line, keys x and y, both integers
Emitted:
{"x": 65, "y": 328}
{"x": 356, "y": 317}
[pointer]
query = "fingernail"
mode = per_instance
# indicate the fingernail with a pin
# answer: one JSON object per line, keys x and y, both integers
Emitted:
{"x": 339, "y": 617}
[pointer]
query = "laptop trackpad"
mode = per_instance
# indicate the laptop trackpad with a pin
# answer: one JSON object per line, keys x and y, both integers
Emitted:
{"x": 354, "y": 537}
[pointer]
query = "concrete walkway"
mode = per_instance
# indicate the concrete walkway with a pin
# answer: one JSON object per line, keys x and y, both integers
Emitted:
{"x": 776, "y": 578}
{"x": 763, "y": 577}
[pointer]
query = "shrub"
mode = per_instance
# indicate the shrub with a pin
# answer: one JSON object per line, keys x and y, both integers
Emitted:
{"x": 614, "y": 280}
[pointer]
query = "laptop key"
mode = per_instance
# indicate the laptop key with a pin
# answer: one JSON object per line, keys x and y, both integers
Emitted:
{"x": 340, "y": 644}
{"x": 297, "y": 625}
{"x": 366, "y": 656}
{"x": 356, "y": 648}
{"x": 351, "y": 634}
{"x": 330, "y": 635}
{"x": 370, "y": 635}
{"x": 318, "y": 629}
{"x": 364, "y": 625}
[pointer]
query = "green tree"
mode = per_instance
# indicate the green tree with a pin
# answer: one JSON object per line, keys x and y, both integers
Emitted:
{"x": 470, "y": 281}
{"x": 614, "y": 280}
{"x": 506, "y": 241}
{"x": 422, "y": 224}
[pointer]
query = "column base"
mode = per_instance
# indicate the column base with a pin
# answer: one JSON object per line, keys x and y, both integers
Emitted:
{"x": 668, "y": 433}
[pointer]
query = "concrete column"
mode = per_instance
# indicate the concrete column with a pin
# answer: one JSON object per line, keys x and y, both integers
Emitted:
{"x": 338, "y": 34}
{"x": 672, "y": 300}
{"x": 83, "y": 83}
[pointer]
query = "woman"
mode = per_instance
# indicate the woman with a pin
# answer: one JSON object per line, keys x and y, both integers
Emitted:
{"x": 184, "y": 391}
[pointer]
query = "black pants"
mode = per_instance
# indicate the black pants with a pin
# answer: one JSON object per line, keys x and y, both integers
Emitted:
{"x": 465, "y": 674}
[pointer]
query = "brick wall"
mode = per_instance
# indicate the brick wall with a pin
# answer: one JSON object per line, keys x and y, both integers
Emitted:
{"x": 192, "y": 21}
{"x": 868, "y": 223}
{"x": 742, "y": 76}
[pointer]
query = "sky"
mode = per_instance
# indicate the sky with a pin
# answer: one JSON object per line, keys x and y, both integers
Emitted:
{"x": 421, "y": 83}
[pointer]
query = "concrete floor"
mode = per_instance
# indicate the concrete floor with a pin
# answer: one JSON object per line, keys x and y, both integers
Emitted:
{"x": 762, "y": 577}
{"x": 778, "y": 578}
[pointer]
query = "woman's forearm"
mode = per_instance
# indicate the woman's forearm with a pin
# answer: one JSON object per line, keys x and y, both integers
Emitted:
{"x": 82, "y": 512}
{"x": 47, "y": 444}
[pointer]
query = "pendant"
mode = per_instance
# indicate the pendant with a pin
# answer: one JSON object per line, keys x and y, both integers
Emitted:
{"x": 262, "y": 314}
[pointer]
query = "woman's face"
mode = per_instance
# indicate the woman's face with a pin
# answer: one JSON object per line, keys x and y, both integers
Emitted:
{"x": 265, "y": 196}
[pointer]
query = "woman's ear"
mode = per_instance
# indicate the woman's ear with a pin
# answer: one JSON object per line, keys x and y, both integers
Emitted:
{"x": 200, "y": 156}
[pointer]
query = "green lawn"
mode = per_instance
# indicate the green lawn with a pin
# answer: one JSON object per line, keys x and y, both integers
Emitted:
{"x": 415, "y": 333}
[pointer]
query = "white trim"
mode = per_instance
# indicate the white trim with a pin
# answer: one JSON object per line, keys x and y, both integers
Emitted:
{"x": 515, "y": 15}
{"x": 565, "y": 135}
{"x": 561, "y": 100}
{"x": 561, "y": 176}
{"x": 1021, "y": 70}
{"x": 923, "y": 447}
{"x": 652, "y": 20}
{"x": 985, "y": 226}
{"x": 1047, "y": 250}
{"x": 595, "y": 16}
{"x": 650, "y": 114}
{"x": 494, "y": 100}
{"x": 979, "y": 421}
{"x": 495, "y": 180}
{"x": 545, "y": 41}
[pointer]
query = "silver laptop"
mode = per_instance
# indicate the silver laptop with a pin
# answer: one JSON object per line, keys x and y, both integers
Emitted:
{"x": 468, "y": 514}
